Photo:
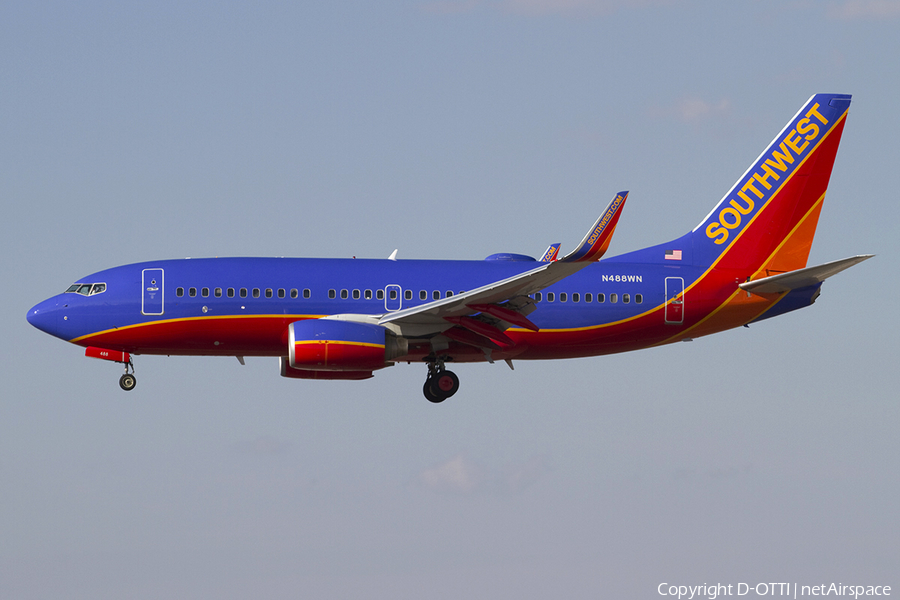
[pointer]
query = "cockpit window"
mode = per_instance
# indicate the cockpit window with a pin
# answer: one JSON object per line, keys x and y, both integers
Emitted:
{"x": 86, "y": 289}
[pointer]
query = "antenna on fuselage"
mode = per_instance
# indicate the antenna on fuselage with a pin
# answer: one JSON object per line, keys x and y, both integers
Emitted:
{"x": 393, "y": 255}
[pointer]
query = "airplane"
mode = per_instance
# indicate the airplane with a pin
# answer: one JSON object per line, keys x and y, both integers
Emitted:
{"x": 344, "y": 319}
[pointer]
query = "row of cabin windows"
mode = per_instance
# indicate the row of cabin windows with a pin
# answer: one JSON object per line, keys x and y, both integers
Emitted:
{"x": 243, "y": 292}
{"x": 294, "y": 293}
{"x": 392, "y": 294}
{"x": 576, "y": 297}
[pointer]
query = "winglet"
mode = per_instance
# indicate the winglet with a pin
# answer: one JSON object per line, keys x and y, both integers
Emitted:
{"x": 595, "y": 243}
{"x": 551, "y": 254}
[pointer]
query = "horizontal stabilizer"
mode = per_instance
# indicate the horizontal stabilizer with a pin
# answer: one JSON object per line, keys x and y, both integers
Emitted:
{"x": 785, "y": 282}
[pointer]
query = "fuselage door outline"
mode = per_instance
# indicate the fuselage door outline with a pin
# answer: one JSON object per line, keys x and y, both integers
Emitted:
{"x": 674, "y": 300}
{"x": 396, "y": 303}
{"x": 152, "y": 292}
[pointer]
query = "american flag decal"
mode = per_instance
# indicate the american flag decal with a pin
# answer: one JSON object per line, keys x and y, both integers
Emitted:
{"x": 673, "y": 254}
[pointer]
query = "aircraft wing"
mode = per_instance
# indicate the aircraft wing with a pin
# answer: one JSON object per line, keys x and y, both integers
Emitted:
{"x": 785, "y": 282}
{"x": 504, "y": 303}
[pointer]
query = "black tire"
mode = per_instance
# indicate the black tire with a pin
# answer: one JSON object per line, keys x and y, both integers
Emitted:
{"x": 445, "y": 384}
{"x": 127, "y": 382}
{"x": 430, "y": 392}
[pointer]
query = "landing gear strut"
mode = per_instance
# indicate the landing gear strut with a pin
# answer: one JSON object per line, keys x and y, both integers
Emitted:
{"x": 440, "y": 383}
{"x": 128, "y": 380}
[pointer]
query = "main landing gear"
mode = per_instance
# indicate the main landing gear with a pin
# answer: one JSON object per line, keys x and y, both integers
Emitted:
{"x": 128, "y": 380}
{"x": 440, "y": 383}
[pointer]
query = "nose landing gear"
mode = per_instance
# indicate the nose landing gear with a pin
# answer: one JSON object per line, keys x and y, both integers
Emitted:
{"x": 128, "y": 380}
{"x": 440, "y": 383}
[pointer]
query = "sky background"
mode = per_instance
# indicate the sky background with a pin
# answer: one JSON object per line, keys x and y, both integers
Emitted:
{"x": 447, "y": 129}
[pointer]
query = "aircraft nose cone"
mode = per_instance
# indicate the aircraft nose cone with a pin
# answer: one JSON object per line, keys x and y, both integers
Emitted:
{"x": 45, "y": 316}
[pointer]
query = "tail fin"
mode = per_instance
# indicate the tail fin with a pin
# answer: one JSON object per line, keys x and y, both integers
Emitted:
{"x": 767, "y": 221}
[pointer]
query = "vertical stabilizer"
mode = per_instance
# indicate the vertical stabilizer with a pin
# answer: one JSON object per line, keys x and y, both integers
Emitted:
{"x": 767, "y": 221}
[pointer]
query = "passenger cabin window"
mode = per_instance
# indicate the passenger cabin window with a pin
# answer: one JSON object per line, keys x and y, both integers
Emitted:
{"x": 576, "y": 297}
{"x": 306, "y": 293}
{"x": 638, "y": 298}
{"x": 281, "y": 292}
{"x": 332, "y": 294}
{"x": 423, "y": 295}
{"x": 408, "y": 294}
{"x": 588, "y": 297}
{"x": 230, "y": 292}
{"x": 295, "y": 293}
{"x": 379, "y": 294}
{"x": 356, "y": 294}
{"x": 538, "y": 296}
{"x": 205, "y": 292}
{"x": 448, "y": 293}
{"x": 563, "y": 296}
{"x": 367, "y": 294}
{"x": 256, "y": 292}
{"x": 626, "y": 298}
{"x": 393, "y": 294}
{"x": 179, "y": 292}
{"x": 192, "y": 292}
{"x": 218, "y": 292}
{"x": 344, "y": 294}
{"x": 550, "y": 296}
{"x": 613, "y": 298}
{"x": 243, "y": 292}
{"x": 601, "y": 298}
{"x": 268, "y": 292}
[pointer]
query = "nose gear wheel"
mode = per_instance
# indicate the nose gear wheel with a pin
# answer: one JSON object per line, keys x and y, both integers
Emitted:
{"x": 128, "y": 381}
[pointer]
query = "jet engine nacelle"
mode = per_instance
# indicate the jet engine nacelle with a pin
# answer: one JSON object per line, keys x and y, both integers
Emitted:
{"x": 288, "y": 371}
{"x": 331, "y": 345}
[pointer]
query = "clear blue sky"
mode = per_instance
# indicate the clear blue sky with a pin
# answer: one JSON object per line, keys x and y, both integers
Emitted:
{"x": 447, "y": 129}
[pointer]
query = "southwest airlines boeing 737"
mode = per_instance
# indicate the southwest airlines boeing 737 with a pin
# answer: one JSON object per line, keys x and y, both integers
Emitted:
{"x": 347, "y": 318}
